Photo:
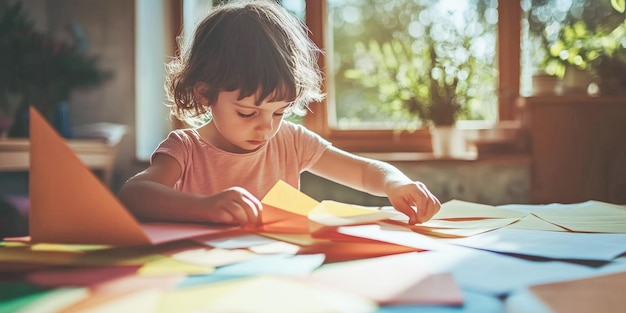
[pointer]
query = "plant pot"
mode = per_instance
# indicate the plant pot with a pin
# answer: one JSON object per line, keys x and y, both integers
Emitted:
{"x": 545, "y": 84}
{"x": 448, "y": 142}
{"x": 58, "y": 116}
{"x": 576, "y": 81}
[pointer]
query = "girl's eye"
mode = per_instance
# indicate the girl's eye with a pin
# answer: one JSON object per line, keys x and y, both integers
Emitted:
{"x": 245, "y": 115}
{"x": 279, "y": 113}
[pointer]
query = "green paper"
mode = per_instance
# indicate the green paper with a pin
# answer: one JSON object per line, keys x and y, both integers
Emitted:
{"x": 16, "y": 295}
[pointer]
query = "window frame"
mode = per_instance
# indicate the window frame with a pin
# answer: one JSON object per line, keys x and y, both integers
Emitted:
{"x": 508, "y": 62}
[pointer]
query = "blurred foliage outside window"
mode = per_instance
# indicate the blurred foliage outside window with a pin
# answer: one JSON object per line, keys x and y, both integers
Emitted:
{"x": 588, "y": 34}
{"x": 451, "y": 42}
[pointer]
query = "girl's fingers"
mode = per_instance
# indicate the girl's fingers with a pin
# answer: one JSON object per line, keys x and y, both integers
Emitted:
{"x": 419, "y": 204}
{"x": 252, "y": 211}
{"x": 225, "y": 215}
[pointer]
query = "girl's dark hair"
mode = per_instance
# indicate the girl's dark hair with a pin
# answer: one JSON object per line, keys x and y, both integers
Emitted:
{"x": 256, "y": 47}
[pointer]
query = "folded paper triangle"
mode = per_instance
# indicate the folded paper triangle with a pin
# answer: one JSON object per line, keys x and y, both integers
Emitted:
{"x": 69, "y": 204}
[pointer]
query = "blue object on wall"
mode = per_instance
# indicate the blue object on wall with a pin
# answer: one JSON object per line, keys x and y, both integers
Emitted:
{"x": 62, "y": 120}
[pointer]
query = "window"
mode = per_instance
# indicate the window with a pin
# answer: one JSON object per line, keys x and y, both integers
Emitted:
{"x": 536, "y": 25}
{"x": 387, "y": 52}
{"x": 332, "y": 120}
{"x": 151, "y": 126}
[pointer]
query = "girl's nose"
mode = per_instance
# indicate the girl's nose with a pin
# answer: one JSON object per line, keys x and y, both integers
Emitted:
{"x": 265, "y": 124}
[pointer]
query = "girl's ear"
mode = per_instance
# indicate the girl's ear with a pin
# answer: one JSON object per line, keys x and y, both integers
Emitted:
{"x": 199, "y": 91}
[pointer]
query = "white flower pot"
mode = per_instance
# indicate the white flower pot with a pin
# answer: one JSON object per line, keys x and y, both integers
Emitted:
{"x": 448, "y": 142}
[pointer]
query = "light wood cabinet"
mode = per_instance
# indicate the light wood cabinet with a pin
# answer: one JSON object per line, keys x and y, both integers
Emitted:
{"x": 578, "y": 148}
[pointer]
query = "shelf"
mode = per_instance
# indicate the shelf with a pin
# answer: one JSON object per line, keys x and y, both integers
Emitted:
{"x": 95, "y": 154}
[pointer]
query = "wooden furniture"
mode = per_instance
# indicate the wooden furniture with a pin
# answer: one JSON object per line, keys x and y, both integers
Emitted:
{"x": 95, "y": 154}
{"x": 578, "y": 148}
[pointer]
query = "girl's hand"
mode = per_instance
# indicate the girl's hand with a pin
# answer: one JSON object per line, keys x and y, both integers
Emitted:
{"x": 235, "y": 206}
{"x": 414, "y": 200}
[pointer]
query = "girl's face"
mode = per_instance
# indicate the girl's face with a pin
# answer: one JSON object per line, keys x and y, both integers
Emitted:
{"x": 239, "y": 126}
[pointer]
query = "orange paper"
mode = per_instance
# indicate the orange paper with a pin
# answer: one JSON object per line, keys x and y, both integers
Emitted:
{"x": 69, "y": 204}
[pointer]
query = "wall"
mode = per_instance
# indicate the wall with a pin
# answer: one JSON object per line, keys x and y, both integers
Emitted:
{"x": 110, "y": 29}
{"x": 485, "y": 182}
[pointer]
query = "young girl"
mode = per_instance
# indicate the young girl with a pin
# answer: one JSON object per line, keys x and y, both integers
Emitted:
{"x": 250, "y": 64}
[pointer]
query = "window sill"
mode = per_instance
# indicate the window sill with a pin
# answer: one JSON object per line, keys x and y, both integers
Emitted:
{"x": 470, "y": 157}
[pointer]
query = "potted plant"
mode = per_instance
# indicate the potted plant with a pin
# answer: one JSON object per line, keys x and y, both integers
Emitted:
{"x": 582, "y": 54}
{"x": 422, "y": 83}
{"x": 41, "y": 70}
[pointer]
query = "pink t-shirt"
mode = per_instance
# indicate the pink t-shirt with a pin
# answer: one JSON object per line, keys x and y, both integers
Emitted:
{"x": 208, "y": 170}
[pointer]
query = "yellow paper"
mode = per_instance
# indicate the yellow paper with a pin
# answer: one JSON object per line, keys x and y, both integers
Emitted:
{"x": 332, "y": 213}
{"x": 23, "y": 254}
{"x": 263, "y": 294}
{"x": 285, "y": 197}
{"x": 168, "y": 265}
{"x": 70, "y": 248}
{"x": 463, "y": 209}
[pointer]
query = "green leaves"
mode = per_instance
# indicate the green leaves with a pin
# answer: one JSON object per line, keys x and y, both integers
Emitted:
{"x": 619, "y": 5}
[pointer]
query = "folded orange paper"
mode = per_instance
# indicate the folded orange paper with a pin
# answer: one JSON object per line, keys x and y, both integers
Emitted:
{"x": 69, "y": 204}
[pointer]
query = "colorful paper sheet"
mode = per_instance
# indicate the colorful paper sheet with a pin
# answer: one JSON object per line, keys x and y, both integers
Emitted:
{"x": 394, "y": 279}
{"x": 589, "y": 216}
{"x": 283, "y": 196}
{"x": 398, "y": 235}
{"x": 596, "y": 294}
{"x": 456, "y": 209}
{"x": 333, "y": 213}
{"x": 287, "y": 210}
{"x": 456, "y": 228}
{"x": 15, "y": 295}
{"x": 55, "y": 300}
{"x": 142, "y": 300}
{"x": 263, "y": 294}
{"x": 532, "y": 222}
{"x": 580, "y": 246}
{"x": 169, "y": 266}
{"x": 214, "y": 257}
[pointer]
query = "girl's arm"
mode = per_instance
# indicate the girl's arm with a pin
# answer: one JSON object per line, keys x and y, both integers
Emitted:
{"x": 149, "y": 195}
{"x": 381, "y": 179}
